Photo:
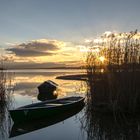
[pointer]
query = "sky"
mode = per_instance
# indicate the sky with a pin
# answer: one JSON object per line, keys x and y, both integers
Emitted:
{"x": 48, "y": 31}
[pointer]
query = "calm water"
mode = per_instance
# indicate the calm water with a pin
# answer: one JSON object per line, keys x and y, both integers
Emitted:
{"x": 78, "y": 124}
{"x": 25, "y": 92}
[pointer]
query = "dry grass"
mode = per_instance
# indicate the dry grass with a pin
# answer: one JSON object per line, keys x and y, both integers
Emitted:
{"x": 114, "y": 84}
{"x": 6, "y": 100}
{"x": 113, "y": 98}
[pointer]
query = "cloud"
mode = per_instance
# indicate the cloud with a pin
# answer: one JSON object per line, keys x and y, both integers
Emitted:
{"x": 40, "y": 46}
{"x": 28, "y": 53}
{"x": 42, "y": 53}
{"x": 34, "y": 49}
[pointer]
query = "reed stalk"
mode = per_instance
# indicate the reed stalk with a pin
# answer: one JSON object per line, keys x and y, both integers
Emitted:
{"x": 114, "y": 83}
{"x": 6, "y": 100}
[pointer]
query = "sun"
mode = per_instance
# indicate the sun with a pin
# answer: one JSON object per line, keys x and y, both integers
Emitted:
{"x": 102, "y": 59}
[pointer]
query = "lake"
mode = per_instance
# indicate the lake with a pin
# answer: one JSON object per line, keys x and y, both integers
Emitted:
{"x": 25, "y": 83}
{"x": 81, "y": 123}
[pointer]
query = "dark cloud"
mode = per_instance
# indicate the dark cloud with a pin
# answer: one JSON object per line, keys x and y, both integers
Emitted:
{"x": 28, "y": 52}
{"x": 33, "y": 49}
{"x": 40, "y": 46}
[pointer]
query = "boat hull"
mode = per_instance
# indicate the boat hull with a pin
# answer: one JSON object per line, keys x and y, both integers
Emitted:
{"x": 28, "y": 114}
{"x": 27, "y": 127}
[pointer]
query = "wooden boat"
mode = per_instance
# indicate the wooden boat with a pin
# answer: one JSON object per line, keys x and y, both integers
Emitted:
{"x": 45, "y": 109}
{"x": 30, "y": 126}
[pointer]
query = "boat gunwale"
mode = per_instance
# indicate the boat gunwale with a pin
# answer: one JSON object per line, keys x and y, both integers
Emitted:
{"x": 45, "y": 107}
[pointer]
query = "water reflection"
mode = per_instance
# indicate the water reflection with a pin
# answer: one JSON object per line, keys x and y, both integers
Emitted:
{"x": 6, "y": 101}
{"x": 26, "y": 127}
{"x": 95, "y": 125}
{"x": 26, "y": 92}
{"x": 5, "y": 122}
{"x": 110, "y": 126}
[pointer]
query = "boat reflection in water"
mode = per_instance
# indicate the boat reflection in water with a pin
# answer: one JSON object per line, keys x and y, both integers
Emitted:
{"x": 26, "y": 127}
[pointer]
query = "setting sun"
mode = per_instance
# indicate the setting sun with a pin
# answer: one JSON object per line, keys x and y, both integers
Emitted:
{"x": 102, "y": 59}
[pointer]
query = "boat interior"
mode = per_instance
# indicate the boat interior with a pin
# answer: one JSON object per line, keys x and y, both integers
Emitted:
{"x": 53, "y": 103}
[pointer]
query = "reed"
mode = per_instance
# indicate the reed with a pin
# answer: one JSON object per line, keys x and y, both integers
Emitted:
{"x": 114, "y": 82}
{"x": 100, "y": 126}
{"x": 6, "y": 100}
{"x": 113, "y": 95}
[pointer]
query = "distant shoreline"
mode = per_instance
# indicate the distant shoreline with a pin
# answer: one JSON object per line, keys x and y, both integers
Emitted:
{"x": 78, "y": 68}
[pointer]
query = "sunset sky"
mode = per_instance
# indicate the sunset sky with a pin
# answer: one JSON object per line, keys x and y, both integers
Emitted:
{"x": 48, "y": 33}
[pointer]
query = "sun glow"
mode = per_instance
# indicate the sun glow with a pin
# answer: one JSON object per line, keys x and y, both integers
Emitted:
{"x": 102, "y": 59}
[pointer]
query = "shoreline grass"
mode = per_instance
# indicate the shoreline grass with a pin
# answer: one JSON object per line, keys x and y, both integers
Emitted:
{"x": 115, "y": 87}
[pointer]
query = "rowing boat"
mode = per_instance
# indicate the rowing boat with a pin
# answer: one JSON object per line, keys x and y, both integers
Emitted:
{"x": 45, "y": 109}
{"x": 30, "y": 126}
